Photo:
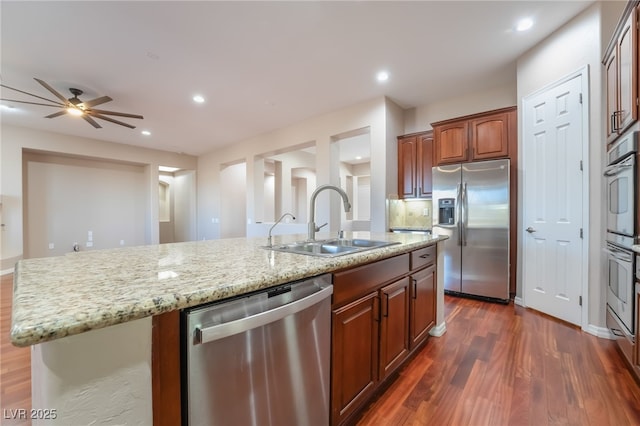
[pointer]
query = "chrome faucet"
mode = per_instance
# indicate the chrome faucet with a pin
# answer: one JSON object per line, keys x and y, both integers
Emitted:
{"x": 274, "y": 225}
{"x": 312, "y": 208}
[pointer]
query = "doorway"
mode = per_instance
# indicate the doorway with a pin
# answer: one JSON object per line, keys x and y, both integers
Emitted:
{"x": 176, "y": 205}
{"x": 555, "y": 196}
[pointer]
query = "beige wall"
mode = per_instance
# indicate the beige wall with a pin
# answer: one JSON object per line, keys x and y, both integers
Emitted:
{"x": 67, "y": 198}
{"x": 420, "y": 118}
{"x": 16, "y": 139}
{"x": 579, "y": 43}
{"x": 381, "y": 116}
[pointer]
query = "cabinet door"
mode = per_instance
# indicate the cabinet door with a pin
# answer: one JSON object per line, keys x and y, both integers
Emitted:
{"x": 451, "y": 142}
{"x": 407, "y": 174}
{"x": 354, "y": 373}
{"x": 637, "y": 319}
{"x": 490, "y": 137}
{"x": 611, "y": 65}
{"x": 627, "y": 87}
{"x": 394, "y": 326}
{"x": 425, "y": 163}
{"x": 423, "y": 304}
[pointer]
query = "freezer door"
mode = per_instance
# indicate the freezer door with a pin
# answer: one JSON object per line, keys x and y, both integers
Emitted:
{"x": 446, "y": 186}
{"x": 485, "y": 230}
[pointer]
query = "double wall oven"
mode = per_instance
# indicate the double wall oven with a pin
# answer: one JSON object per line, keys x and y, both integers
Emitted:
{"x": 622, "y": 232}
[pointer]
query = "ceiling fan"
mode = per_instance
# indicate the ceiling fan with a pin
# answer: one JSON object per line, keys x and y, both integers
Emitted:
{"x": 75, "y": 106}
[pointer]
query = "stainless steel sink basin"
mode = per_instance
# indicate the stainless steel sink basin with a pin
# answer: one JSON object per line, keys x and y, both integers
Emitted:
{"x": 330, "y": 248}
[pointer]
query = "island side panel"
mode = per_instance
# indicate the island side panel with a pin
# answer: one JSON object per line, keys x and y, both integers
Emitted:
{"x": 94, "y": 376}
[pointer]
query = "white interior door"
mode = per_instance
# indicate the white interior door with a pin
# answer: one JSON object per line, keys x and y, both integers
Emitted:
{"x": 553, "y": 200}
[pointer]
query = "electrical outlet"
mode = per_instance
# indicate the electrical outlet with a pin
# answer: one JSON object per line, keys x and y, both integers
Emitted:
{"x": 89, "y": 244}
{"x": 121, "y": 242}
{"x": 425, "y": 212}
{"x": 51, "y": 246}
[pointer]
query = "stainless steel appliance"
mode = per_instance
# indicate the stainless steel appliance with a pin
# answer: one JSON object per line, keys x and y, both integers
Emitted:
{"x": 621, "y": 181}
{"x": 620, "y": 289}
{"x": 471, "y": 206}
{"x": 622, "y": 192}
{"x": 260, "y": 360}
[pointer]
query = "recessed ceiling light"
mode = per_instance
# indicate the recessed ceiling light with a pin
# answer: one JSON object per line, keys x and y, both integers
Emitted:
{"x": 146, "y": 132}
{"x": 198, "y": 98}
{"x": 382, "y": 76}
{"x": 358, "y": 158}
{"x": 524, "y": 24}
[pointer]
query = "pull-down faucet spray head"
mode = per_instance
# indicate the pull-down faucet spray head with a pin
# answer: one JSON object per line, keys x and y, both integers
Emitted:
{"x": 312, "y": 208}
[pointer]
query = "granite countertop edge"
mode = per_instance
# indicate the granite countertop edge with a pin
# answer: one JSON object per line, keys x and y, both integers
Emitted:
{"x": 67, "y": 295}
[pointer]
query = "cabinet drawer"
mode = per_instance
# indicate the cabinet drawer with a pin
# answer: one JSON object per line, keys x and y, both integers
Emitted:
{"x": 423, "y": 257}
{"x": 353, "y": 283}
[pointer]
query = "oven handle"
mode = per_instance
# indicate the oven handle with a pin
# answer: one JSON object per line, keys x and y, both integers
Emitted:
{"x": 615, "y": 169}
{"x": 619, "y": 254}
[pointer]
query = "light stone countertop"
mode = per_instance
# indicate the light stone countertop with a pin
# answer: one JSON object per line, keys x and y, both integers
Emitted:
{"x": 65, "y": 295}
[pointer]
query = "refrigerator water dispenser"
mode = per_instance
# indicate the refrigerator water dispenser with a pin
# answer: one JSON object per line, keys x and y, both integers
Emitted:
{"x": 446, "y": 213}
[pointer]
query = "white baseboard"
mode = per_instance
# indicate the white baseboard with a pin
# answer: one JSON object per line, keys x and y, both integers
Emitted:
{"x": 602, "y": 332}
{"x": 438, "y": 330}
{"x": 518, "y": 301}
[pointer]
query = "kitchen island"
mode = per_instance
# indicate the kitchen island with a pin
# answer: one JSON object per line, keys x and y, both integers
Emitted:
{"x": 88, "y": 314}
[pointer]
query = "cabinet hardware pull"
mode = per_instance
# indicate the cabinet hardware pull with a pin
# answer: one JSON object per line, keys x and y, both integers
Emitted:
{"x": 424, "y": 256}
{"x": 385, "y": 313}
{"x": 376, "y": 309}
{"x": 415, "y": 288}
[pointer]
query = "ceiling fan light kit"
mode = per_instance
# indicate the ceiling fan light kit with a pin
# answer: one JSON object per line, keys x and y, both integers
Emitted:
{"x": 76, "y": 107}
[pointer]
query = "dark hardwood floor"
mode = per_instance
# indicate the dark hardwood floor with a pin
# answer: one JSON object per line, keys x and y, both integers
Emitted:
{"x": 505, "y": 365}
{"x": 495, "y": 365}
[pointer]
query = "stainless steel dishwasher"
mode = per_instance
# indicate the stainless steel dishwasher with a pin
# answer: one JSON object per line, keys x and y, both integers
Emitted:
{"x": 259, "y": 360}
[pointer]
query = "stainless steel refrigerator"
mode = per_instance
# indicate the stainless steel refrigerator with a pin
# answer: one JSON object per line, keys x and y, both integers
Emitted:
{"x": 471, "y": 206}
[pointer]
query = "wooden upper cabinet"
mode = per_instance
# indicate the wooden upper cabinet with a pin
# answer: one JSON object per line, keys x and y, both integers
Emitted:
{"x": 415, "y": 159}
{"x": 621, "y": 64}
{"x": 424, "y": 165}
{"x": 407, "y": 153}
{"x": 611, "y": 65}
{"x": 490, "y": 137}
{"x": 452, "y": 142}
{"x": 481, "y": 136}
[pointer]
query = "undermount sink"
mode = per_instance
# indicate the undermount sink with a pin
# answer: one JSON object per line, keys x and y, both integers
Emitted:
{"x": 330, "y": 248}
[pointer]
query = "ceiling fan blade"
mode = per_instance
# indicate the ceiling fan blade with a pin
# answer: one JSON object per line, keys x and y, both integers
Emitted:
{"x": 57, "y": 105}
{"x": 97, "y": 101}
{"x": 104, "y": 117}
{"x": 56, "y": 114}
{"x": 52, "y": 90}
{"x": 119, "y": 114}
{"x": 91, "y": 121}
{"x": 31, "y": 94}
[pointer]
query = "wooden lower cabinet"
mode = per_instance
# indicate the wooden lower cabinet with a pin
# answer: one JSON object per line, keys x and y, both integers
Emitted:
{"x": 423, "y": 305}
{"x": 381, "y": 313}
{"x": 354, "y": 369}
{"x": 394, "y": 326}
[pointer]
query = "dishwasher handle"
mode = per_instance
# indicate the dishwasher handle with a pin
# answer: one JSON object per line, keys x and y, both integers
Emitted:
{"x": 217, "y": 332}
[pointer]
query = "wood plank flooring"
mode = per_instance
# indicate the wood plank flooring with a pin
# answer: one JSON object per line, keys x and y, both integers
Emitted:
{"x": 505, "y": 365}
{"x": 15, "y": 364}
{"x": 495, "y": 365}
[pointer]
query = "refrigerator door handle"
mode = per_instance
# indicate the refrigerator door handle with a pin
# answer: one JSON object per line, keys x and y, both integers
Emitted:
{"x": 465, "y": 214}
{"x": 458, "y": 212}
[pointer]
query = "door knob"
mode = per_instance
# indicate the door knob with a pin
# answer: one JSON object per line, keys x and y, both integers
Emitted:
{"x": 530, "y": 230}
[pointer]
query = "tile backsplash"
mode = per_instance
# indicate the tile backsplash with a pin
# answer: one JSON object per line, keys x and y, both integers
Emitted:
{"x": 415, "y": 214}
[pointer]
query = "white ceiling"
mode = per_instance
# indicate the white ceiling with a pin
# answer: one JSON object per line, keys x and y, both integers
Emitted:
{"x": 260, "y": 65}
